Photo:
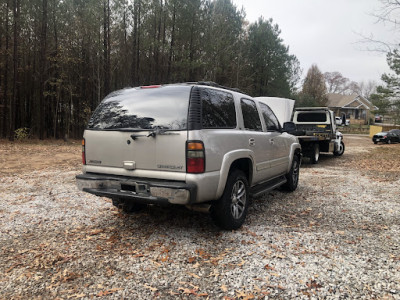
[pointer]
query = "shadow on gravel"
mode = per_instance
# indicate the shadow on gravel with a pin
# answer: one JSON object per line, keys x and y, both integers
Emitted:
{"x": 164, "y": 219}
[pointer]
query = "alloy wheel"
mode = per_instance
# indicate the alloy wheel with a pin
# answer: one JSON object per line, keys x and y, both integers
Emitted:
{"x": 238, "y": 198}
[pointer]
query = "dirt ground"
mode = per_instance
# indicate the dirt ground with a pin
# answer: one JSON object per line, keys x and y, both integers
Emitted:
{"x": 21, "y": 157}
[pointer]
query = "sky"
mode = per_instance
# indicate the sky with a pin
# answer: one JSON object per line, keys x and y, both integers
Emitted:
{"x": 328, "y": 33}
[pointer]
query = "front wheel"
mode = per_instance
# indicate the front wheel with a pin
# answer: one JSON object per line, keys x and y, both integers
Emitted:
{"x": 230, "y": 211}
{"x": 389, "y": 141}
{"x": 293, "y": 176}
{"x": 340, "y": 151}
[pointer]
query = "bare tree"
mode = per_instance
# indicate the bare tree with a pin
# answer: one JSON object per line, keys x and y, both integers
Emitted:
{"x": 367, "y": 88}
{"x": 388, "y": 14}
{"x": 336, "y": 82}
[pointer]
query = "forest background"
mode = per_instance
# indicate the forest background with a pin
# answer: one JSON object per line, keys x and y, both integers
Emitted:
{"x": 60, "y": 58}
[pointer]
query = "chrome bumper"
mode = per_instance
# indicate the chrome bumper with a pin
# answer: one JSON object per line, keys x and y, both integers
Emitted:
{"x": 137, "y": 190}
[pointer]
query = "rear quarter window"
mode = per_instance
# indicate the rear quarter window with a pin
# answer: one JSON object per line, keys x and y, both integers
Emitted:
{"x": 218, "y": 109}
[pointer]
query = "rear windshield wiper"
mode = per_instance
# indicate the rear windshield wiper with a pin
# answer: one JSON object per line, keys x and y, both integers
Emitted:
{"x": 156, "y": 130}
{"x": 122, "y": 129}
{"x": 154, "y": 133}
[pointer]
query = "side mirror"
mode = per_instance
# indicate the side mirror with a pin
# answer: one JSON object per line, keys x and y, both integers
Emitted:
{"x": 289, "y": 127}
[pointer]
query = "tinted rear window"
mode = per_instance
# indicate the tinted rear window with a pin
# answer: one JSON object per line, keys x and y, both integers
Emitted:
{"x": 164, "y": 108}
{"x": 311, "y": 117}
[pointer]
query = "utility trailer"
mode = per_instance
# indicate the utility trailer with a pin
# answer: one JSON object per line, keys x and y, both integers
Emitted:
{"x": 317, "y": 132}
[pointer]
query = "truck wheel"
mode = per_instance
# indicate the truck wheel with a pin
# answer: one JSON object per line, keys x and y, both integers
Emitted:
{"x": 315, "y": 154}
{"x": 229, "y": 212}
{"x": 293, "y": 176}
{"x": 340, "y": 151}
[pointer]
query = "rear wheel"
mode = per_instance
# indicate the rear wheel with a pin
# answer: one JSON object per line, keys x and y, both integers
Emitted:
{"x": 293, "y": 176}
{"x": 315, "y": 154}
{"x": 230, "y": 211}
{"x": 339, "y": 151}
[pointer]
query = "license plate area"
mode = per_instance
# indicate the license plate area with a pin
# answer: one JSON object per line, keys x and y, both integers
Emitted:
{"x": 137, "y": 188}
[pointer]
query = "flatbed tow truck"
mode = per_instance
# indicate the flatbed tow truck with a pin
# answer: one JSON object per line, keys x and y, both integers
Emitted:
{"x": 317, "y": 132}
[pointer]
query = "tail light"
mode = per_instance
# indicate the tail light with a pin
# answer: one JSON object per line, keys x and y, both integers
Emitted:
{"x": 195, "y": 157}
{"x": 83, "y": 152}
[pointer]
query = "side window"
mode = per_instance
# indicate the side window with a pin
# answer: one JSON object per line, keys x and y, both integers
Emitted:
{"x": 251, "y": 118}
{"x": 218, "y": 109}
{"x": 269, "y": 117}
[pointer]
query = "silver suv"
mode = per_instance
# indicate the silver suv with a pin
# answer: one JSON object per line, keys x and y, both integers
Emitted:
{"x": 195, "y": 144}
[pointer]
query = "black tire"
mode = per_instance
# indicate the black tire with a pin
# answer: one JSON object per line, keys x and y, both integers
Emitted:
{"x": 389, "y": 141}
{"x": 340, "y": 151}
{"x": 315, "y": 154}
{"x": 230, "y": 211}
{"x": 293, "y": 176}
{"x": 375, "y": 143}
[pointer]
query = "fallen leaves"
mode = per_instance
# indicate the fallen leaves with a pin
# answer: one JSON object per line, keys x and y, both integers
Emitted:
{"x": 190, "y": 290}
{"x": 224, "y": 288}
{"x": 269, "y": 268}
{"x": 108, "y": 292}
{"x": 153, "y": 289}
{"x": 381, "y": 164}
{"x": 312, "y": 284}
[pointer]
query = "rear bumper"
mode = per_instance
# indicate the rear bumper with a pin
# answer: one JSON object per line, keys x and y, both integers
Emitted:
{"x": 137, "y": 190}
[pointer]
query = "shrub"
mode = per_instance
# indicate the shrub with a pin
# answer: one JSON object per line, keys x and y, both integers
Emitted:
{"x": 21, "y": 133}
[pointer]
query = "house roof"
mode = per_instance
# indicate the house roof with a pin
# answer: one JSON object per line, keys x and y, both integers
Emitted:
{"x": 349, "y": 101}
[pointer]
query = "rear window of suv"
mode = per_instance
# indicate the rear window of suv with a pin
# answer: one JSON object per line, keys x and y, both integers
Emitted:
{"x": 143, "y": 109}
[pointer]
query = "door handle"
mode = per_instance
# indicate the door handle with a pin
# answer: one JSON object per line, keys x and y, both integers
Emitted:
{"x": 252, "y": 142}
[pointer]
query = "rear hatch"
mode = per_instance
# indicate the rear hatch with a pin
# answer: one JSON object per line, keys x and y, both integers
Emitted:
{"x": 139, "y": 129}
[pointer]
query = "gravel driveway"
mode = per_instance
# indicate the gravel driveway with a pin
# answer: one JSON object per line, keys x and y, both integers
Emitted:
{"x": 337, "y": 236}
